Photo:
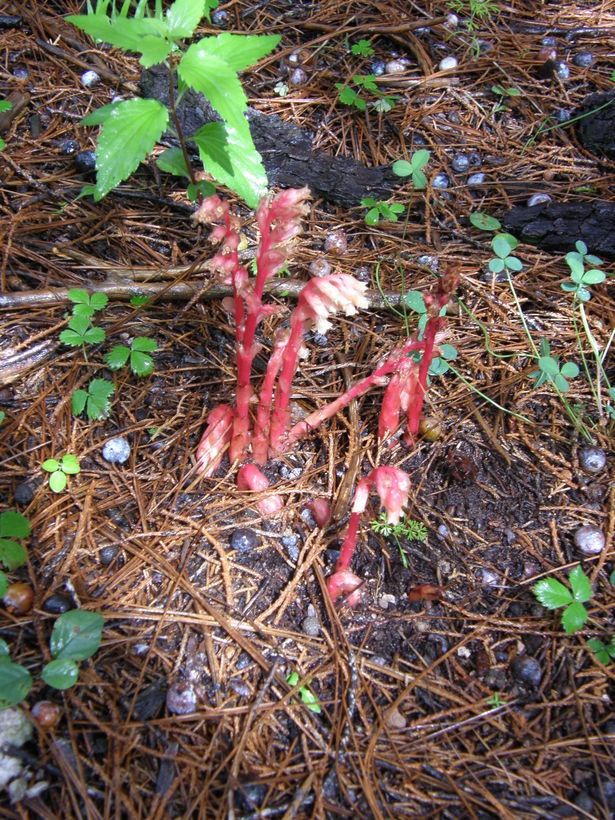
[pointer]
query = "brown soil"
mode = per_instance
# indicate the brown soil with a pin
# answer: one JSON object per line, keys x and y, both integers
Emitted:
{"x": 408, "y": 725}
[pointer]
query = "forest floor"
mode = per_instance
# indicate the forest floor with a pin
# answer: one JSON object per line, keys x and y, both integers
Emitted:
{"x": 465, "y": 698}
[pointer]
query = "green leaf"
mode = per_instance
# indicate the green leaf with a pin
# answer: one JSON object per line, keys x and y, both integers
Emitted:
{"x": 237, "y": 51}
{"x": 419, "y": 159}
{"x": 368, "y": 202}
{"x": 5, "y": 105}
{"x": 2, "y": 416}
{"x": 126, "y": 138}
{"x": 3, "y": 587}
{"x": 612, "y": 578}
{"x": 362, "y": 48}
{"x": 397, "y": 207}
{"x": 79, "y": 323}
{"x": 100, "y": 115}
{"x": 183, "y": 17}
{"x": 437, "y": 366}
{"x": 402, "y": 168}
{"x": 512, "y": 263}
{"x": 568, "y": 286}
{"x": 310, "y": 700}
{"x": 144, "y": 343}
{"x": 593, "y": 277}
{"x": 448, "y": 351}
{"x": 117, "y": 357}
{"x": 145, "y": 35}
{"x": 70, "y": 465}
{"x": 83, "y": 310}
{"x": 57, "y": 481}
{"x": 99, "y": 300}
{"x": 4, "y": 647}
{"x": 484, "y": 222}
{"x": 579, "y": 583}
{"x": 551, "y": 593}
{"x": 548, "y": 365}
{"x": 573, "y": 617}
{"x": 78, "y": 296}
{"x": 599, "y": 650}
{"x": 60, "y": 673}
{"x": 98, "y": 405}
{"x": 501, "y": 246}
{"x": 570, "y": 370}
{"x": 77, "y": 401}
{"x": 349, "y": 97}
{"x": 372, "y": 216}
{"x": 201, "y": 187}
{"x": 139, "y": 301}
{"x": 496, "y": 265}
{"x": 50, "y": 465}
{"x": 94, "y": 335}
{"x": 560, "y": 382}
{"x": 419, "y": 181}
{"x": 76, "y": 635}
{"x": 583, "y": 294}
{"x": 15, "y": 683}
{"x": 229, "y": 155}
{"x": 141, "y": 364}
{"x": 12, "y": 554}
{"x": 14, "y": 524}
{"x": 172, "y": 162}
{"x": 581, "y": 247}
{"x": 575, "y": 263}
{"x": 71, "y": 338}
{"x": 414, "y": 300}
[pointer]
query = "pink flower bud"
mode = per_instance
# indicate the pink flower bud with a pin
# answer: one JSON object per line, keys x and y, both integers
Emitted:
{"x": 320, "y": 509}
{"x": 345, "y": 582}
{"x": 215, "y": 439}
{"x": 324, "y": 296}
{"x": 393, "y": 486}
{"x": 249, "y": 477}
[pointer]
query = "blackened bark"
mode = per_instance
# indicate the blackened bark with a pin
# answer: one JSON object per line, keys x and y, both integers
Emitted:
{"x": 596, "y": 129}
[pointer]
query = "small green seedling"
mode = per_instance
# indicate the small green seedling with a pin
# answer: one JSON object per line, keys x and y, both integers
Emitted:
{"x": 604, "y": 653}
{"x": 579, "y": 277}
{"x": 95, "y": 400}
{"x": 362, "y": 48}
{"x": 502, "y": 245}
{"x": 307, "y": 696}
{"x": 407, "y": 528}
{"x": 2, "y": 416}
{"x": 13, "y": 528}
{"x": 85, "y": 304}
{"x": 5, "y": 105}
{"x": 378, "y": 208}
{"x": 554, "y": 595}
{"x": 138, "y": 301}
{"x": 502, "y": 94}
{"x": 141, "y": 363}
{"x": 549, "y": 369}
{"x": 81, "y": 332}
{"x": 438, "y": 365}
{"x": 414, "y": 168}
{"x": 75, "y": 637}
{"x": 348, "y": 96}
{"x": 484, "y": 222}
{"x": 495, "y": 701}
{"x": 67, "y": 465}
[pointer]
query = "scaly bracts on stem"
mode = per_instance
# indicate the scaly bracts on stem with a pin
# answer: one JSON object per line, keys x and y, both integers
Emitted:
{"x": 250, "y": 477}
{"x": 392, "y": 486}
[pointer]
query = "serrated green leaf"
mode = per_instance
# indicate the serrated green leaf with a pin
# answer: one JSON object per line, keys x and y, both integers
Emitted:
{"x": 14, "y": 524}
{"x": 94, "y": 335}
{"x": 139, "y": 301}
{"x": 183, "y": 17}
{"x": 145, "y": 35}
{"x": 99, "y": 300}
{"x": 402, "y": 168}
{"x": 230, "y": 157}
{"x": 100, "y": 115}
{"x": 83, "y": 310}
{"x": 79, "y": 323}
{"x": 78, "y": 296}
{"x": 362, "y": 48}
{"x": 126, "y": 138}
{"x": 70, "y": 465}
{"x": 372, "y": 216}
{"x": 57, "y": 481}
{"x": 172, "y": 162}
{"x": 98, "y": 405}
{"x": 599, "y": 650}
{"x": 50, "y": 465}
{"x": 77, "y": 401}
{"x": 237, "y": 51}
{"x": 573, "y": 617}
{"x": 141, "y": 364}
{"x": 484, "y": 222}
{"x": 579, "y": 583}
{"x": 143, "y": 343}
{"x": 551, "y": 593}
{"x": 397, "y": 207}
{"x": 76, "y": 635}
{"x": 15, "y": 683}
{"x": 117, "y": 357}
{"x": 60, "y": 673}
{"x": 346, "y": 95}
{"x": 12, "y": 554}
{"x": 368, "y": 202}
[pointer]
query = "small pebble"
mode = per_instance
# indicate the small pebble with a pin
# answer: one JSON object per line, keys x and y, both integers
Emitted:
{"x": 379, "y": 660}
{"x": 107, "y": 554}
{"x": 181, "y": 698}
{"x": 89, "y": 79}
{"x": 378, "y": 67}
{"x": 387, "y": 600}
{"x": 527, "y": 670}
{"x": 319, "y": 267}
{"x": 20, "y": 72}
{"x": 57, "y": 604}
{"x": 475, "y": 159}
{"x": 548, "y": 52}
{"x": 291, "y": 545}
{"x": 395, "y": 720}
{"x": 589, "y": 540}
{"x": 583, "y": 59}
{"x": 441, "y": 180}
{"x": 474, "y": 180}
{"x": 548, "y": 41}
{"x": 363, "y": 274}
{"x": 591, "y": 459}
{"x": 243, "y": 660}
{"x": 297, "y": 77}
{"x": 68, "y": 147}
{"x": 396, "y": 66}
{"x": 46, "y": 713}
{"x": 429, "y": 262}
{"x": 447, "y": 63}
{"x": 85, "y": 162}
{"x": 443, "y": 531}
{"x": 488, "y": 577}
{"x": 18, "y": 598}
{"x": 244, "y": 539}
{"x": 239, "y": 687}
{"x": 562, "y": 70}
{"x": 24, "y": 492}
{"x": 460, "y": 163}
{"x": 116, "y": 450}
{"x": 307, "y": 516}
{"x": 219, "y": 18}
{"x": 320, "y": 340}
{"x": 562, "y": 115}
{"x": 311, "y": 626}
{"x": 452, "y": 21}
{"x": 584, "y": 802}
{"x": 336, "y": 243}
{"x": 538, "y": 199}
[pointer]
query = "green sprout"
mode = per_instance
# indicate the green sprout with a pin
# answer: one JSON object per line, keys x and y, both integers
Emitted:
{"x": 549, "y": 369}
{"x": 305, "y": 693}
{"x": 362, "y": 48}
{"x": 379, "y": 209}
{"x": 95, "y": 400}
{"x": 407, "y": 528}
{"x": 67, "y": 465}
{"x": 502, "y": 94}
{"x": 85, "y": 304}
{"x": 141, "y": 363}
{"x": 494, "y": 701}
{"x": 604, "y": 653}
{"x": 348, "y": 96}
{"x": 554, "y": 595}
{"x": 413, "y": 168}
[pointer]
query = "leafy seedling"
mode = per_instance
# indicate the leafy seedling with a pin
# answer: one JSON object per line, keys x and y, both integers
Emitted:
{"x": 579, "y": 277}
{"x": 502, "y": 245}
{"x": 503, "y": 94}
{"x": 348, "y": 96}
{"x": 76, "y": 636}
{"x": 5, "y": 105}
{"x": 549, "y": 369}
{"x": 495, "y": 701}
{"x": 438, "y": 365}
{"x": 15, "y": 681}
{"x": 2, "y": 416}
{"x": 413, "y": 168}
{"x": 379, "y": 209}
{"x": 362, "y": 48}
{"x": 80, "y": 332}
{"x": 141, "y": 363}
{"x": 85, "y": 304}
{"x": 484, "y": 222}
{"x": 95, "y": 400}
{"x": 602, "y": 652}
{"x": 138, "y": 301}
{"x": 305, "y": 693}
{"x": 407, "y": 528}
{"x": 554, "y": 595}
{"x": 13, "y": 527}
{"x": 67, "y": 465}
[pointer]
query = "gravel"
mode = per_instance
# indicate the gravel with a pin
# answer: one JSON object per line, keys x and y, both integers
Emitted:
{"x": 592, "y": 459}
{"x": 244, "y": 539}
{"x": 57, "y": 604}
{"x": 116, "y": 450}
{"x": 527, "y": 670}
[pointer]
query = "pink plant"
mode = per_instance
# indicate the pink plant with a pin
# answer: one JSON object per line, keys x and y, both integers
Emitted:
{"x": 392, "y": 486}
{"x": 250, "y": 477}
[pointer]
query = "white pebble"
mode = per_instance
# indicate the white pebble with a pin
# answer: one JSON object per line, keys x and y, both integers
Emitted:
{"x": 116, "y": 450}
{"x": 396, "y": 66}
{"x": 89, "y": 79}
{"x": 538, "y": 199}
{"x": 452, "y": 21}
{"x": 447, "y": 63}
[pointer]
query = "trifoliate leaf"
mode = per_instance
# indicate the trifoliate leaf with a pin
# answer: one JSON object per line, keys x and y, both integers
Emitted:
{"x": 496, "y": 265}
{"x": 60, "y": 674}
{"x": 172, "y": 162}
{"x": 573, "y": 617}
{"x": 183, "y": 17}
{"x": 144, "y": 343}
{"x": 117, "y": 357}
{"x": 50, "y": 465}
{"x": 14, "y": 524}
{"x": 83, "y": 310}
{"x": 551, "y": 593}
{"x": 98, "y": 405}
{"x": 76, "y": 635}
{"x": 579, "y": 583}
{"x": 501, "y": 246}
{"x": 12, "y": 554}
{"x": 57, "y": 481}
{"x": 230, "y": 157}
{"x": 126, "y": 138}
{"x": 548, "y": 365}
{"x": 94, "y": 335}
